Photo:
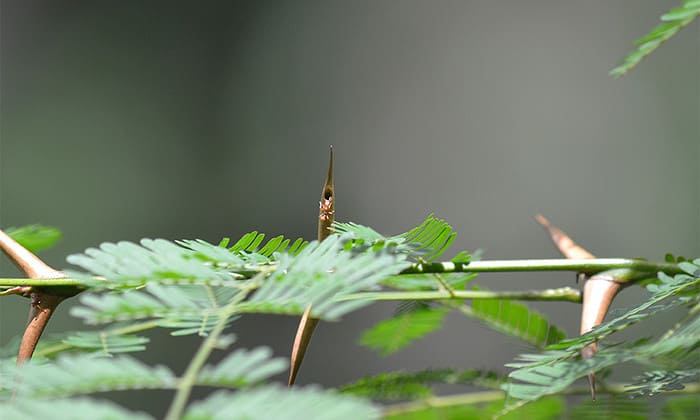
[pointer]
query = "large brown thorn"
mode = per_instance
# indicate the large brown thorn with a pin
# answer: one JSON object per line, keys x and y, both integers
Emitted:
{"x": 307, "y": 324}
{"x": 598, "y": 291}
{"x": 42, "y": 304}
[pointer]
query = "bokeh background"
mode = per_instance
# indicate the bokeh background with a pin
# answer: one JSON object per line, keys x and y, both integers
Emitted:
{"x": 179, "y": 119}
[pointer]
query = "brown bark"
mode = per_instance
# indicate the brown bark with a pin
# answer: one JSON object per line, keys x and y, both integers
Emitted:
{"x": 42, "y": 304}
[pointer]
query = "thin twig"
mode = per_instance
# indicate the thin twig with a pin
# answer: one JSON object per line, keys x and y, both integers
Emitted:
{"x": 566, "y": 294}
{"x": 188, "y": 380}
{"x": 643, "y": 269}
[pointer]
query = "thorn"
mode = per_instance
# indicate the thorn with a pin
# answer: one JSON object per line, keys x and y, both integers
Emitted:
{"x": 591, "y": 384}
{"x": 17, "y": 290}
{"x": 25, "y": 260}
{"x": 306, "y": 328}
{"x": 563, "y": 242}
{"x": 42, "y": 304}
{"x": 42, "y": 307}
{"x": 307, "y": 324}
{"x": 329, "y": 175}
{"x": 598, "y": 291}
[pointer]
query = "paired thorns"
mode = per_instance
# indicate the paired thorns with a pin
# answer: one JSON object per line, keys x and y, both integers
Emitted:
{"x": 598, "y": 291}
{"x": 307, "y": 324}
{"x": 42, "y": 304}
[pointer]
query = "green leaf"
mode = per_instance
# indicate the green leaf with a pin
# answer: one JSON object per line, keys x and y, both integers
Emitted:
{"x": 105, "y": 343}
{"x": 544, "y": 409}
{"x": 274, "y": 402}
{"x": 431, "y": 238}
{"x": 462, "y": 258}
{"x": 414, "y": 385}
{"x": 455, "y": 281}
{"x": 606, "y": 407}
{"x": 674, "y": 21}
{"x": 680, "y": 407}
{"x": 391, "y": 335}
{"x": 322, "y": 275}
{"x": 126, "y": 265}
{"x": 35, "y": 237}
{"x": 246, "y": 250}
{"x": 515, "y": 319}
{"x": 453, "y": 409}
{"x": 194, "y": 309}
{"x": 426, "y": 242}
{"x": 68, "y": 408}
{"x": 556, "y": 369}
{"x": 79, "y": 374}
{"x": 652, "y": 383}
{"x": 242, "y": 368}
{"x": 680, "y": 13}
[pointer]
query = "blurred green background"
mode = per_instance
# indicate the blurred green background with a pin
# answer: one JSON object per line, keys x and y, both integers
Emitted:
{"x": 123, "y": 120}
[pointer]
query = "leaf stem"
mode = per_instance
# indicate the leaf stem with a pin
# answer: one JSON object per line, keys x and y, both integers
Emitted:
{"x": 590, "y": 266}
{"x": 567, "y": 294}
{"x": 22, "y": 281}
{"x": 444, "y": 401}
{"x": 587, "y": 266}
{"x": 188, "y": 380}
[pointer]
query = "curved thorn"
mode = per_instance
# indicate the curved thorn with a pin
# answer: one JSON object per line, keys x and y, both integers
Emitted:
{"x": 306, "y": 328}
{"x": 307, "y": 324}
{"x": 598, "y": 294}
{"x": 598, "y": 291}
{"x": 42, "y": 304}
{"x": 42, "y": 307}
{"x": 25, "y": 260}
{"x": 563, "y": 242}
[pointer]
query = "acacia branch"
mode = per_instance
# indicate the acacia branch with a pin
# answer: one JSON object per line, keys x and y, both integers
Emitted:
{"x": 566, "y": 294}
{"x": 587, "y": 266}
{"x": 641, "y": 268}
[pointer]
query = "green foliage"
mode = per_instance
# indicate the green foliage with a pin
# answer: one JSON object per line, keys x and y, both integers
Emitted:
{"x": 414, "y": 385}
{"x": 680, "y": 407}
{"x": 454, "y": 281}
{"x": 556, "y": 369}
{"x": 242, "y": 368}
{"x": 247, "y": 249}
{"x": 652, "y": 383}
{"x": 69, "y": 408}
{"x": 425, "y": 242}
{"x": 673, "y": 21}
{"x": 321, "y": 275}
{"x": 273, "y": 402}
{"x": 267, "y": 402}
{"x": 71, "y": 375}
{"x": 515, "y": 319}
{"x": 546, "y": 409}
{"x": 106, "y": 344}
{"x": 188, "y": 308}
{"x": 35, "y": 237}
{"x": 606, "y": 408}
{"x": 195, "y": 287}
{"x": 126, "y": 265}
{"x": 391, "y": 335}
